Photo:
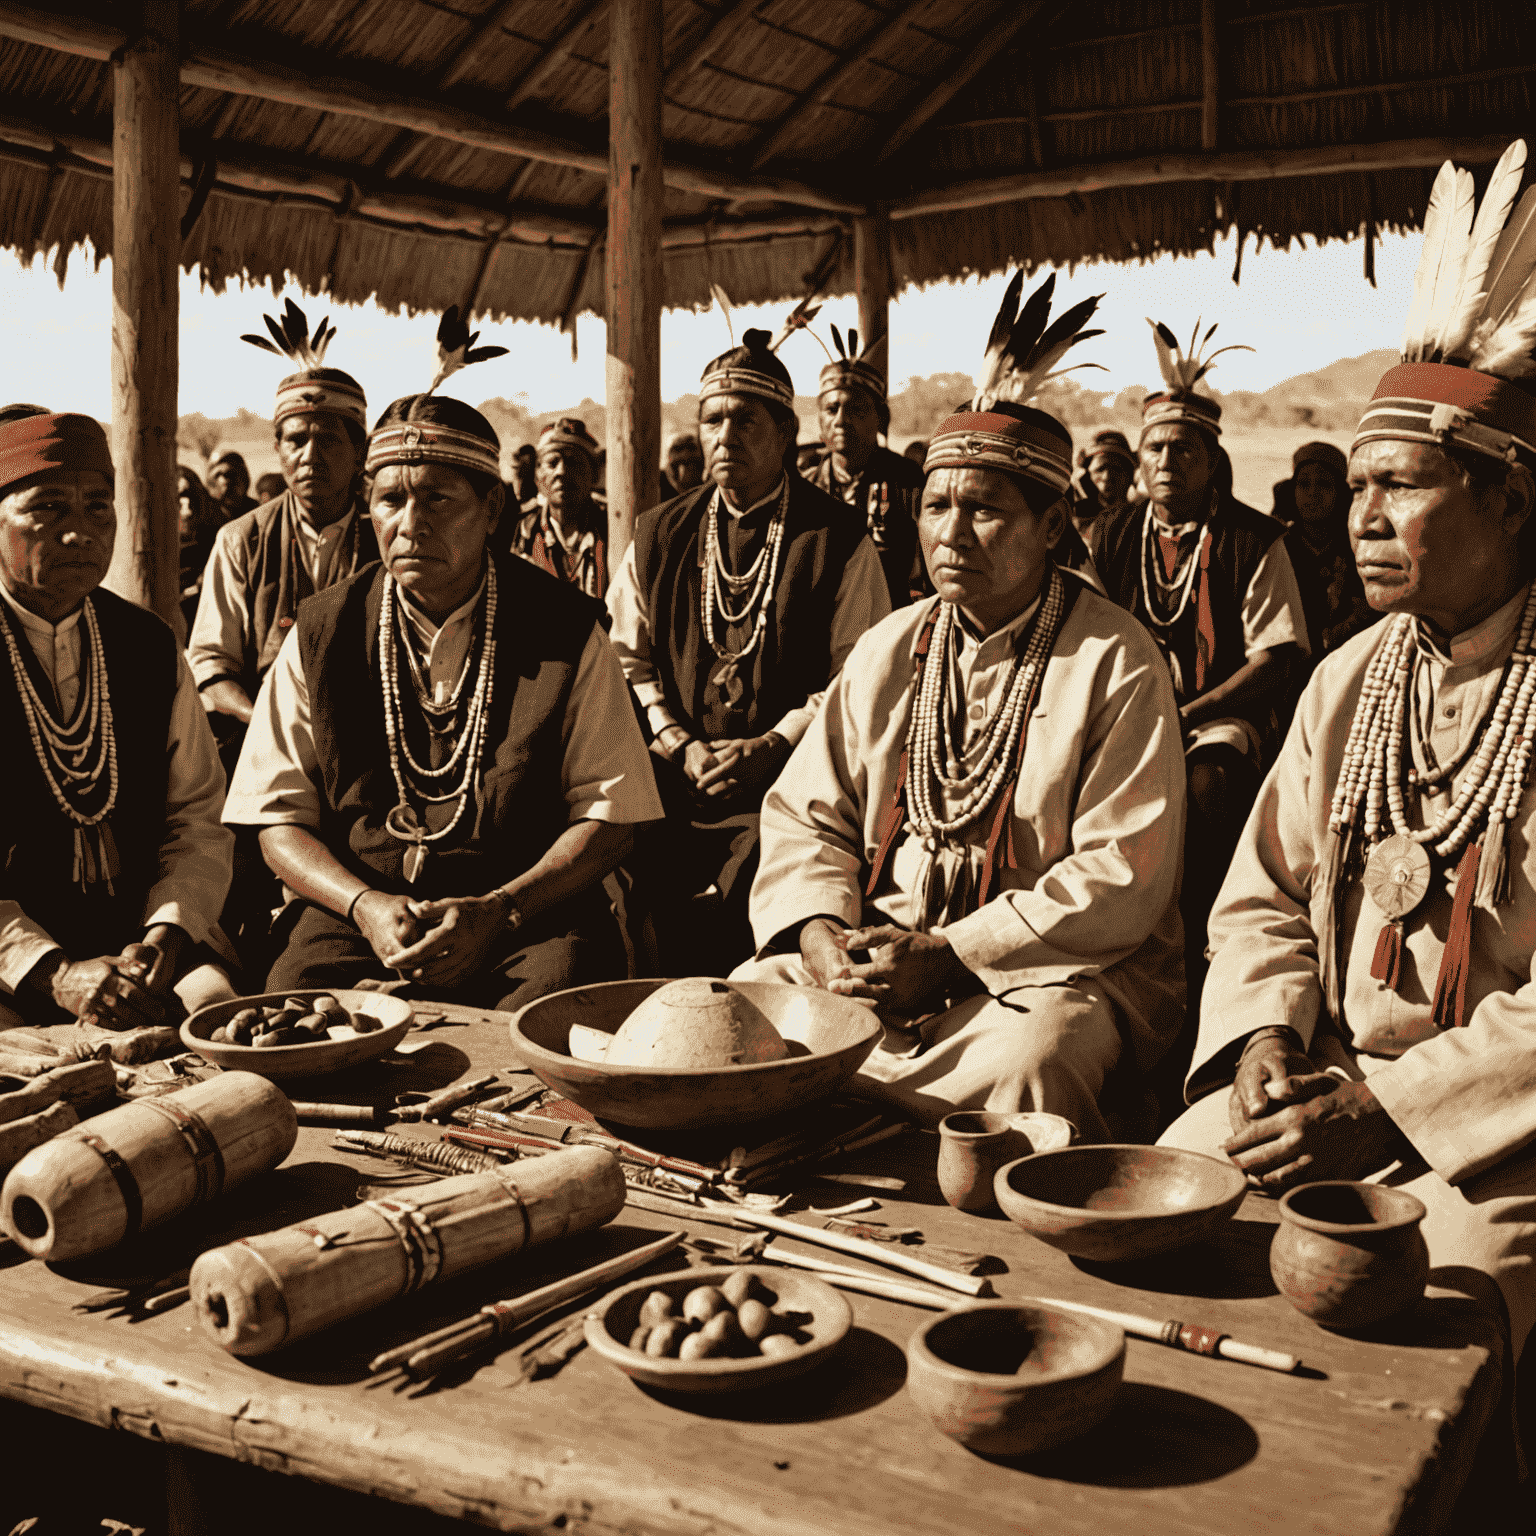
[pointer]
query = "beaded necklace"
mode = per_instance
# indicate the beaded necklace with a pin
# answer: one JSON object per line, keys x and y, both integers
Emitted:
{"x": 1174, "y": 591}
{"x": 1369, "y": 811}
{"x": 458, "y": 775}
{"x": 760, "y": 578}
{"x": 75, "y": 755}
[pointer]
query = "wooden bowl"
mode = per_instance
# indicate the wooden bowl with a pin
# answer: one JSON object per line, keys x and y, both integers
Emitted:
{"x": 1119, "y": 1202}
{"x": 561, "y": 1038}
{"x": 309, "y": 1060}
{"x": 612, "y": 1323}
{"x": 1007, "y": 1378}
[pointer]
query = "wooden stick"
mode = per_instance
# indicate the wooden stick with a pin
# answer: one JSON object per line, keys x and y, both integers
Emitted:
{"x": 881, "y": 1253}
{"x": 502, "y": 1316}
{"x": 1194, "y": 1337}
{"x": 858, "y": 1280}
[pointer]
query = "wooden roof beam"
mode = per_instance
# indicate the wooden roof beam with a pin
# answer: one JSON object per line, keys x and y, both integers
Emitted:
{"x": 556, "y": 51}
{"x": 1000, "y": 30}
{"x": 831, "y": 81}
{"x": 218, "y": 70}
{"x": 709, "y": 39}
{"x": 1233, "y": 165}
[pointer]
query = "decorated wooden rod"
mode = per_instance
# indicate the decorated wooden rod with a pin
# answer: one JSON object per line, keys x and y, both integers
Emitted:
{"x": 84, "y": 1084}
{"x": 261, "y": 1293}
{"x": 1194, "y": 1337}
{"x": 140, "y": 1164}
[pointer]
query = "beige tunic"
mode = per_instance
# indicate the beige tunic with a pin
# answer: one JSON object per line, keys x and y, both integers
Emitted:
{"x": 1098, "y": 821}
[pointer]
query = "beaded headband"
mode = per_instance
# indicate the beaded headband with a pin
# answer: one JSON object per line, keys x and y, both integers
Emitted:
{"x": 852, "y": 371}
{"x": 992, "y": 440}
{"x": 1192, "y": 410}
{"x": 32, "y": 444}
{"x": 1447, "y": 405}
{"x": 737, "y": 380}
{"x": 568, "y": 432}
{"x": 317, "y": 390}
{"x": 426, "y": 442}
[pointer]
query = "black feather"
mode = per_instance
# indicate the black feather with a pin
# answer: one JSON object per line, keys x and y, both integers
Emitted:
{"x": 1030, "y": 325}
{"x": 837, "y": 340}
{"x": 485, "y": 354}
{"x": 853, "y": 342}
{"x": 1169, "y": 339}
{"x": 283, "y": 344}
{"x": 1067, "y": 324}
{"x": 263, "y": 343}
{"x": 452, "y": 332}
{"x": 295, "y": 325}
{"x": 1002, "y": 326}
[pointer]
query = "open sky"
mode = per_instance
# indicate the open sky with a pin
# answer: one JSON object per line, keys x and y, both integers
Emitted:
{"x": 1299, "y": 309}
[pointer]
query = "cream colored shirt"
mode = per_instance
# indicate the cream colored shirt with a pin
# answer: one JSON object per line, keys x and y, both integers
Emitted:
{"x": 195, "y": 851}
{"x": 221, "y": 630}
{"x": 605, "y": 772}
{"x": 863, "y": 599}
{"x": 1466, "y": 1098}
{"x": 1098, "y": 815}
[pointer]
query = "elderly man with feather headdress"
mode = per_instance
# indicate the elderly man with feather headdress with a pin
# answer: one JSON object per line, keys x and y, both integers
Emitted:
{"x": 883, "y": 487}
{"x": 735, "y": 606}
{"x": 444, "y": 763}
{"x": 980, "y": 833}
{"x": 1213, "y": 582}
{"x": 1370, "y": 999}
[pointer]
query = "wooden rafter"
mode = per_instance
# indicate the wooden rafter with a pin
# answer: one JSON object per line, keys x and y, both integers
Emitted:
{"x": 830, "y": 82}
{"x": 588, "y": 14}
{"x": 710, "y": 38}
{"x": 1210, "y": 75}
{"x": 350, "y": 96}
{"x": 1002, "y": 27}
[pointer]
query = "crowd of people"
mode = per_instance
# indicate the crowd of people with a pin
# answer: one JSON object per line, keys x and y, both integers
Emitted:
{"x": 1074, "y": 785}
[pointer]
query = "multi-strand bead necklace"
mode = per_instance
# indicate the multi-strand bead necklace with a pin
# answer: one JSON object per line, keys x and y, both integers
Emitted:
{"x": 757, "y": 581}
{"x": 456, "y": 777}
{"x": 75, "y": 756}
{"x": 1369, "y": 805}
{"x": 1166, "y": 598}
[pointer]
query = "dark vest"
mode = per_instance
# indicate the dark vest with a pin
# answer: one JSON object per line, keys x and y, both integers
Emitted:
{"x": 280, "y": 581}
{"x": 542, "y": 627}
{"x": 1240, "y": 537}
{"x": 888, "y": 496}
{"x": 140, "y": 653}
{"x": 794, "y": 659}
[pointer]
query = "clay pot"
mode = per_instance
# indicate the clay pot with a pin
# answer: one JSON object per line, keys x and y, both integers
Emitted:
{"x": 1349, "y": 1254}
{"x": 973, "y": 1145}
{"x": 1007, "y": 1379}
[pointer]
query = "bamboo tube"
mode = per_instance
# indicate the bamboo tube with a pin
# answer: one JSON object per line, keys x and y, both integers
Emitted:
{"x": 142, "y": 1163}
{"x": 264, "y": 1292}
{"x": 78, "y": 1083}
{"x": 18, "y": 1137}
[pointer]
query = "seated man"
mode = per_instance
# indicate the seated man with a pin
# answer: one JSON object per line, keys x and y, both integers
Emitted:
{"x": 444, "y": 763}
{"x": 980, "y": 833}
{"x": 1370, "y": 999}
{"x": 115, "y": 863}
{"x": 733, "y": 609}
{"x": 565, "y": 532}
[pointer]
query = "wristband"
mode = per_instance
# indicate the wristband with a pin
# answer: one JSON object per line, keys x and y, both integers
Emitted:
{"x": 353, "y": 903}
{"x": 673, "y": 753}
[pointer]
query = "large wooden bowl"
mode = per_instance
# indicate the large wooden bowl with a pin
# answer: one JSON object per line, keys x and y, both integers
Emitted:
{"x": 611, "y": 1324}
{"x": 1119, "y": 1202}
{"x": 832, "y": 1036}
{"x": 313, "y": 1059}
{"x": 1006, "y": 1378}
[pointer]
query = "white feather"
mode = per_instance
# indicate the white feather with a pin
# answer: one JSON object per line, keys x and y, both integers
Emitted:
{"x": 1454, "y": 246}
{"x": 1436, "y": 217}
{"x": 1505, "y": 349}
{"x": 1492, "y": 215}
{"x": 1514, "y": 258}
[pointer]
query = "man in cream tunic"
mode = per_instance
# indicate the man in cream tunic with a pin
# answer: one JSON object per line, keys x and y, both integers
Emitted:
{"x": 1024, "y": 976}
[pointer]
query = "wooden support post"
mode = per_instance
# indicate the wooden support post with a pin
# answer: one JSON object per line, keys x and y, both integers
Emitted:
{"x": 1210, "y": 75}
{"x": 146, "y": 246}
{"x": 872, "y": 275}
{"x": 633, "y": 266}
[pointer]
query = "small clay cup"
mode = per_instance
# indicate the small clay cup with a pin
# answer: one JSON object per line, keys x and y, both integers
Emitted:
{"x": 1008, "y": 1378}
{"x": 1348, "y": 1254}
{"x": 973, "y": 1145}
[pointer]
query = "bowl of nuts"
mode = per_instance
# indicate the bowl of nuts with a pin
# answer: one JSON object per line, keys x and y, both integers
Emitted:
{"x": 723, "y": 1329}
{"x": 298, "y": 1034}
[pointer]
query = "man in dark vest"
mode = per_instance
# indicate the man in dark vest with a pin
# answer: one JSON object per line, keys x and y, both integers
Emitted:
{"x": 564, "y": 531}
{"x": 1212, "y": 581}
{"x": 732, "y": 611}
{"x": 115, "y": 864}
{"x": 882, "y": 487}
{"x": 444, "y": 763}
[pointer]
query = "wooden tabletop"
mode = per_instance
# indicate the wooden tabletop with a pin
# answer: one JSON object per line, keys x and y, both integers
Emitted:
{"x": 1377, "y": 1436}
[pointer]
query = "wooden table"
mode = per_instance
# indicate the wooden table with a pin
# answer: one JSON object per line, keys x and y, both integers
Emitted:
{"x": 1376, "y": 1437}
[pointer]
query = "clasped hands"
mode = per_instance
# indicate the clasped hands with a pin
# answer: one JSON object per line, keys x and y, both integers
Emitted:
{"x": 907, "y": 974}
{"x": 124, "y": 991}
{"x": 732, "y": 765}
{"x": 442, "y": 942}
{"x": 1295, "y": 1125}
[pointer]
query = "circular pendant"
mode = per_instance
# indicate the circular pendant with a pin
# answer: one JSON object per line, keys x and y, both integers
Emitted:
{"x": 1397, "y": 876}
{"x": 402, "y": 823}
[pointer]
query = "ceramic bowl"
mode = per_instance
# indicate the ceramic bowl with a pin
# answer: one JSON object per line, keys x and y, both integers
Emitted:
{"x": 561, "y": 1039}
{"x": 313, "y": 1059}
{"x": 1119, "y": 1202}
{"x": 611, "y": 1324}
{"x": 1008, "y": 1378}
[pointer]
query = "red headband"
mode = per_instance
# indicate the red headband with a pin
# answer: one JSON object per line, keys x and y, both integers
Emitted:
{"x": 37, "y": 443}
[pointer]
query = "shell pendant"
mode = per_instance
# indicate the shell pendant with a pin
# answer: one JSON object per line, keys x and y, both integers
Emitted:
{"x": 1397, "y": 876}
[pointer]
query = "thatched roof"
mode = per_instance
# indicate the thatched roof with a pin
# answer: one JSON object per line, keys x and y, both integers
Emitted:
{"x": 435, "y": 152}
